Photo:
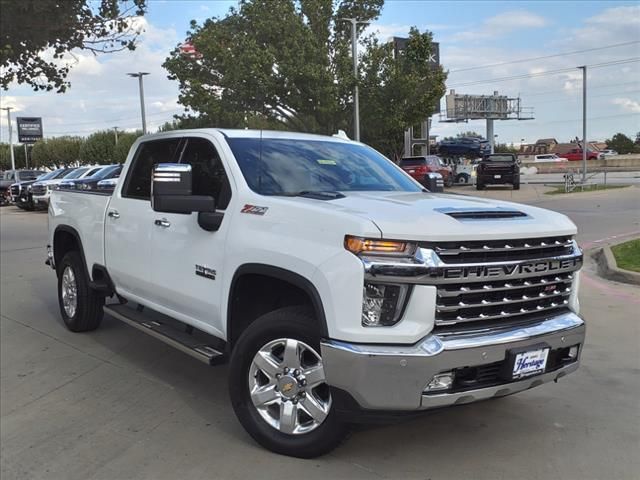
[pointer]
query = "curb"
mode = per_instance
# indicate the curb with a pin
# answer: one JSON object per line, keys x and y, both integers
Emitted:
{"x": 608, "y": 268}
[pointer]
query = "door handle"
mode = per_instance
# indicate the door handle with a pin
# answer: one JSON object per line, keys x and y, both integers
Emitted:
{"x": 164, "y": 223}
{"x": 113, "y": 214}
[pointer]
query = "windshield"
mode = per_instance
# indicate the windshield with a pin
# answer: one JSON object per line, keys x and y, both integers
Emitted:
{"x": 289, "y": 167}
{"x": 105, "y": 172}
{"x": 29, "y": 175}
{"x": 500, "y": 158}
{"x": 76, "y": 173}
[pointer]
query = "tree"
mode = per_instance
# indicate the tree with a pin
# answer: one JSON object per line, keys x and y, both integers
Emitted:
{"x": 5, "y": 156}
{"x": 57, "y": 152}
{"x": 504, "y": 148}
{"x": 121, "y": 150}
{"x": 36, "y": 34}
{"x": 272, "y": 63}
{"x": 397, "y": 91}
{"x": 621, "y": 144}
{"x": 99, "y": 148}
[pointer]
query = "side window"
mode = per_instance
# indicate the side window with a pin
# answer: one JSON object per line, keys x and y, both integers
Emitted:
{"x": 209, "y": 177}
{"x": 138, "y": 183}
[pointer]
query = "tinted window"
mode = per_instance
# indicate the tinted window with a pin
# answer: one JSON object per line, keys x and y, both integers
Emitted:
{"x": 93, "y": 171}
{"x": 62, "y": 172}
{"x": 148, "y": 154}
{"x": 76, "y": 173}
{"x": 287, "y": 167}
{"x": 107, "y": 172}
{"x": 208, "y": 175}
{"x": 412, "y": 162}
{"x": 29, "y": 175}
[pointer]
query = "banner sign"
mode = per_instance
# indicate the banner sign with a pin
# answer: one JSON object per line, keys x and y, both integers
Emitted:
{"x": 29, "y": 129}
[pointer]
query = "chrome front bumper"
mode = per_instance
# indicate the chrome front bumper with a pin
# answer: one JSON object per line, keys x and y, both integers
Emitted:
{"x": 394, "y": 377}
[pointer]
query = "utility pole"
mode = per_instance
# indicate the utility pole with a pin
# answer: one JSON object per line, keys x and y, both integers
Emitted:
{"x": 139, "y": 76}
{"x": 354, "y": 53}
{"x": 26, "y": 156}
{"x": 115, "y": 130}
{"x": 13, "y": 160}
{"x": 584, "y": 123}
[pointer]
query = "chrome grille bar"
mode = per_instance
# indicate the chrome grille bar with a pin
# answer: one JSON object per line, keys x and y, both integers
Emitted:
{"x": 505, "y": 301}
{"x": 455, "y": 290}
{"x": 504, "y": 314}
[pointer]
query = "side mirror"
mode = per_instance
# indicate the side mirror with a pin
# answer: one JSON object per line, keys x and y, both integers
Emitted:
{"x": 171, "y": 191}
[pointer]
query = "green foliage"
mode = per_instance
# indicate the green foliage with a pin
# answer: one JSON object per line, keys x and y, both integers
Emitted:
{"x": 504, "y": 148}
{"x": 397, "y": 92}
{"x": 121, "y": 150}
{"x": 628, "y": 255}
{"x": 31, "y": 27}
{"x": 99, "y": 148}
{"x": 5, "y": 156}
{"x": 622, "y": 144}
{"x": 57, "y": 152}
{"x": 274, "y": 64}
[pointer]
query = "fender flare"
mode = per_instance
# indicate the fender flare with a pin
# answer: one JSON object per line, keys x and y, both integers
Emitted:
{"x": 73, "y": 232}
{"x": 288, "y": 276}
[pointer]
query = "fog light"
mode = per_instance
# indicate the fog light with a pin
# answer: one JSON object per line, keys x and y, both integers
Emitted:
{"x": 382, "y": 304}
{"x": 573, "y": 352}
{"x": 442, "y": 381}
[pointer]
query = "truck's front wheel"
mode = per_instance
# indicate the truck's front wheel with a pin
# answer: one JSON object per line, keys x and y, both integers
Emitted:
{"x": 80, "y": 306}
{"x": 278, "y": 388}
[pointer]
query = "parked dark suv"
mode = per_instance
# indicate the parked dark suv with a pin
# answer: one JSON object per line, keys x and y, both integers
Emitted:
{"x": 498, "y": 169}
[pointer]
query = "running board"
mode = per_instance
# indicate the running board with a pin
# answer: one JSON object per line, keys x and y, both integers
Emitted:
{"x": 168, "y": 331}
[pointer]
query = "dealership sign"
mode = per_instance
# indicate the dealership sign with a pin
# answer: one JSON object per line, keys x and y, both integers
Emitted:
{"x": 29, "y": 129}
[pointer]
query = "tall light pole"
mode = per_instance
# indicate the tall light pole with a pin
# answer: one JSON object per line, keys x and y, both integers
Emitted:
{"x": 115, "y": 130}
{"x": 584, "y": 123}
{"x": 139, "y": 76}
{"x": 13, "y": 160}
{"x": 354, "y": 53}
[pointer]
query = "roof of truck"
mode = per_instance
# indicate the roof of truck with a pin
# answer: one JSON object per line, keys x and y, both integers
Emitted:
{"x": 273, "y": 134}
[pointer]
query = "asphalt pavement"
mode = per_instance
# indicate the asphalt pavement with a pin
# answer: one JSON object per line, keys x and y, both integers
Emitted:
{"x": 117, "y": 404}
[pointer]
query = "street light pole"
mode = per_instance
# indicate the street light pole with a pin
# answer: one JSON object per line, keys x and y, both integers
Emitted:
{"x": 584, "y": 123}
{"x": 115, "y": 130}
{"x": 13, "y": 160}
{"x": 354, "y": 53}
{"x": 139, "y": 76}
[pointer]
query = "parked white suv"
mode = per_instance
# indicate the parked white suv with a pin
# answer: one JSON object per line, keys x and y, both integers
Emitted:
{"x": 337, "y": 287}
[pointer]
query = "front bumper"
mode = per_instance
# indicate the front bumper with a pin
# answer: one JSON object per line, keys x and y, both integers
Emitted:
{"x": 394, "y": 377}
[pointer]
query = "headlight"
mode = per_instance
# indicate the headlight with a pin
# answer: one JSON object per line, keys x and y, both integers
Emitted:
{"x": 370, "y": 246}
{"x": 382, "y": 304}
{"x": 29, "y": 188}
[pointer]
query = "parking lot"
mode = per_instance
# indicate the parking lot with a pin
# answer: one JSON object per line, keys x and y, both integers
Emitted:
{"x": 117, "y": 404}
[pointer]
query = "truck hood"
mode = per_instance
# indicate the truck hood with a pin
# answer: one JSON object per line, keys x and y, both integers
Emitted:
{"x": 437, "y": 217}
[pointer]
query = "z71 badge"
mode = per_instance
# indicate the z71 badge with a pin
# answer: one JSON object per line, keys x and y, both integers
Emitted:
{"x": 205, "y": 272}
{"x": 254, "y": 210}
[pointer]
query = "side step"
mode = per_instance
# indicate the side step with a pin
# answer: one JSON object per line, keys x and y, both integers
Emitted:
{"x": 168, "y": 331}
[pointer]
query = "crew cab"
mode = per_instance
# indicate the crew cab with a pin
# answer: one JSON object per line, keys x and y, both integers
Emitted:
{"x": 575, "y": 154}
{"x": 498, "y": 169}
{"x": 337, "y": 288}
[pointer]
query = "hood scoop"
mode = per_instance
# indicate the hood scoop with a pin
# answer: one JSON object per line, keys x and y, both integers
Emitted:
{"x": 481, "y": 214}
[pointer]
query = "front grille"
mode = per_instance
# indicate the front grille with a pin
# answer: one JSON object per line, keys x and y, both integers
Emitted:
{"x": 38, "y": 189}
{"x": 501, "y": 250}
{"x": 540, "y": 286}
{"x": 15, "y": 190}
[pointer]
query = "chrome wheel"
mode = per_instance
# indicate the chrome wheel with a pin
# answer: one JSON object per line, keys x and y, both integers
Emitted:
{"x": 69, "y": 292}
{"x": 287, "y": 386}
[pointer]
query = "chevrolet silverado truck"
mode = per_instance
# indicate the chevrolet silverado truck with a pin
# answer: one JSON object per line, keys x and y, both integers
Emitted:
{"x": 337, "y": 288}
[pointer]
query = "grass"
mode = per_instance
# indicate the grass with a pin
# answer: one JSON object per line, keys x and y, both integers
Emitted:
{"x": 587, "y": 188}
{"x": 628, "y": 255}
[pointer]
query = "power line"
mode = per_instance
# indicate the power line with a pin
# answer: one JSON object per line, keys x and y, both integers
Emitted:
{"x": 545, "y": 73}
{"x": 524, "y": 60}
{"x": 535, "y": 93}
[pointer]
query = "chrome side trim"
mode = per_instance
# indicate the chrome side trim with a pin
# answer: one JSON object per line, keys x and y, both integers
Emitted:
{"x": 172, "y": 167}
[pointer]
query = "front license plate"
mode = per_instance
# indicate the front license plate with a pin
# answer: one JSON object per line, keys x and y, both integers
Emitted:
{"x": 530, "y": 363}
{"x": 497, "y": 176}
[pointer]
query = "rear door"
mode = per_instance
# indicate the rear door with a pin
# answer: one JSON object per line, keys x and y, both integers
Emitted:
{"x": 187, "y": 260}
{"x": 129, "y": 221}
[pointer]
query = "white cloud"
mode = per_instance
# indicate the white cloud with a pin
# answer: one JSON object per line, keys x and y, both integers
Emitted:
{"x": 502, "y": 24}
{"x": 627, "y": 104}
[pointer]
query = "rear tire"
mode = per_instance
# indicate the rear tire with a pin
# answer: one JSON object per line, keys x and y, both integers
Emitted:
{"x": 312, "y": 431}
{"x": 462, "y": 178}
{"x": 479, "y": 186}
{"x": 80, "y": 306}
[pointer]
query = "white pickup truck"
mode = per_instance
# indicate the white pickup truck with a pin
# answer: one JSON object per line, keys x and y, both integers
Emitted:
{"x": 336, "y": 286}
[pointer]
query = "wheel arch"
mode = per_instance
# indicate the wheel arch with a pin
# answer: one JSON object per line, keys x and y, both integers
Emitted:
{"x": 285, "y": 277}
{"x": 65, "y": 240}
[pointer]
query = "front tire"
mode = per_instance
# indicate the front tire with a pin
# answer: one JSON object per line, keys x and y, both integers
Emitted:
{"x": 479, "y": 186}
{"x": 80, "y": 306}
{"x": 277, "y": 385}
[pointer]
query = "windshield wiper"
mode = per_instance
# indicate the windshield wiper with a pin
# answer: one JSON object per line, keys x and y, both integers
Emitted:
{"x": 315, "y": 194}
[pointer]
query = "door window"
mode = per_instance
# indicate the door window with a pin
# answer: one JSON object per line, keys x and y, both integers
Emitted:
{"x": 207, "y": 173}
{"x": 138, "y": 183}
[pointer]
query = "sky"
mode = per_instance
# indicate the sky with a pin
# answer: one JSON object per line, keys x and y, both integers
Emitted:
{"x": 474, "y": 36}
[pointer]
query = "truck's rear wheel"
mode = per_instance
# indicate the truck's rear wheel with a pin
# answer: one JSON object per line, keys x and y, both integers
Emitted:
{"x": 80, "y": 306}
{"x": 278, "y": 389}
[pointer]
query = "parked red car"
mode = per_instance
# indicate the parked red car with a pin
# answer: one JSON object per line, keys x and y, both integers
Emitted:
{"x": 576, "y": 154}
{"x": 419, "y": 167}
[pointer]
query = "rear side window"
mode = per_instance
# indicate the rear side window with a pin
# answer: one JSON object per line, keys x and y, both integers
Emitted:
{"x": 138, "y": 183}
{"x": 412, "y": 162}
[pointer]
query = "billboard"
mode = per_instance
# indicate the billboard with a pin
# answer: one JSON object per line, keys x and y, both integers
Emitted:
{"x": 29, "y": 129}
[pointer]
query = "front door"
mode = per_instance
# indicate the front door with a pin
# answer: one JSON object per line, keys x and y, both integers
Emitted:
{"x": 129, "y": 221}
{"x": 187, "y": 260}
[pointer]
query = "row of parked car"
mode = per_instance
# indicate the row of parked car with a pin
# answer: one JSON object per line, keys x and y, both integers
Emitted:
{"x": 31, "y": 189}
